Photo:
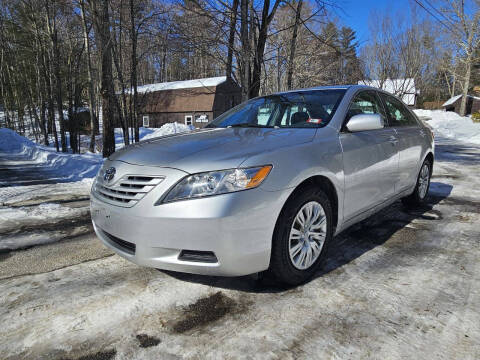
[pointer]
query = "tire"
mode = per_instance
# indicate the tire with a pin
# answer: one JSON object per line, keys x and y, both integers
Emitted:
{"x": 285, "y": 267}
{"x": 420, "y": 194}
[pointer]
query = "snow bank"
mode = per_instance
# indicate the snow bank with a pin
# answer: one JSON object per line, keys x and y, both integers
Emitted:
{"x": 149, "y": 133}
{"x": 11, "y": 142}
{"x": 451, "y": 125}
{"x": 18, "y": 151}
{"x": 168, "y": 129}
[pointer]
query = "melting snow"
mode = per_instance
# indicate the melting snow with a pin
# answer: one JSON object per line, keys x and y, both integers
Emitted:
{"x": 451, "y": 125}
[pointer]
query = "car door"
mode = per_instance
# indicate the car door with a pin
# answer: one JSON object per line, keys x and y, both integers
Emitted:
{"x": 370, "y": 158}
{"x": 410, "y": 136}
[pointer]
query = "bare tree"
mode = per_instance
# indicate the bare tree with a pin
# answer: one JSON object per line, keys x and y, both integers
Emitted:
{"x": 468, "y": 39}
{"x": 101, "y": 23}
{"x": 293, "y": 44}
{"x": 91, "y": 93}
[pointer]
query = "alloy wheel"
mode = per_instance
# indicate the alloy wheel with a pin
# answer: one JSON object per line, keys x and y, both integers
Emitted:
{"x": 423, "y": 180}
{"x": 307, "y": 235}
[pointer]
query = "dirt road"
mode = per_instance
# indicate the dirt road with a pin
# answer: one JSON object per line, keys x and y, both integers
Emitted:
{"x": 402, "y": 284}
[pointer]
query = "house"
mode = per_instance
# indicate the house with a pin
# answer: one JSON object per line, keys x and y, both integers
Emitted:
{"x": 403, "y": 88}
{"x": 192, "y": 102}
{"x": 453, "y": 104}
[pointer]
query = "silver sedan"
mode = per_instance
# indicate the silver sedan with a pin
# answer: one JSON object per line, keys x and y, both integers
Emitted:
{"x": 265, "y": 186}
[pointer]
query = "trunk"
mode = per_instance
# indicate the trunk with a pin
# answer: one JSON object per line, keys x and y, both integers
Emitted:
{"x": 293, "y": 44}
{"x": 133, "y": 32}
{"x": 231, "y": 38}
{"x": 91, "y": 93}
{"x": 466, "y": 85}
{"x": 102, "y": 31}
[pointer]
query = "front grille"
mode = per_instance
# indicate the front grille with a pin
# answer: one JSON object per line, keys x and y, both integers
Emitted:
{"x": 123, "y": 245}
{"x": 127, "y": 191}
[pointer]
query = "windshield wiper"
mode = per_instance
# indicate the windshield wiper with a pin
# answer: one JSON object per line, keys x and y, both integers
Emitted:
{"x": 249, "y": 125}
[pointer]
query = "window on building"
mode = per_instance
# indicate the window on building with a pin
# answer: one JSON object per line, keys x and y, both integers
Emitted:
{"x": 188, "y": 119}
{"x": 146, "y": 121}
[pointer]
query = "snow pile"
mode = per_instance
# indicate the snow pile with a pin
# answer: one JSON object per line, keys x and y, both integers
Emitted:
{"x": 451, "y": 125}
{"x": 149, "y": 133}
{"x": 19, "y": 152}
{"x": 11, "y": 142}
{"x": 168, "y": 129}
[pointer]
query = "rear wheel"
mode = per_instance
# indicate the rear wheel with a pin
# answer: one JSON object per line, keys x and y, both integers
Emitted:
{"x": 302, "y": 234}
{"x": 421, "y": 189}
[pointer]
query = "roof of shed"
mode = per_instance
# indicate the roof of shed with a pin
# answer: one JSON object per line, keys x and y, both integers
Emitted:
{"x": 452, "y": 100}
{"x": 394, "y": 86}
{"x": 185, "y": 84}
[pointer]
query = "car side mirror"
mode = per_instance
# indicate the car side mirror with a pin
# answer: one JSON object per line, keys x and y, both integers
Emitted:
{"x": 363, "y": 122}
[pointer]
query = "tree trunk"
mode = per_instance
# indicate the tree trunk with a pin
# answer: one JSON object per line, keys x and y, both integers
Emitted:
{"x": 134, "y": 34}
{"x": 245, "y": 51}
{"x": 91, "y": 93}
{"x": 260, "y": 48}
{"x": 293, "y": 44}
{"x": 102, "y": 30}
{"x": 466, "y": 85}
{"x": 53, "y": 33}
{"x": 231, "y": 39}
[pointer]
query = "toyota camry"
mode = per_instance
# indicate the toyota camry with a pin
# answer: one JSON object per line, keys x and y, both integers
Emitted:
{"x": 266, "y": 186}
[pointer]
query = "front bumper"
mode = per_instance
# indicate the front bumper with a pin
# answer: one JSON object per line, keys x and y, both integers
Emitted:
{"x": 236, "y": 227}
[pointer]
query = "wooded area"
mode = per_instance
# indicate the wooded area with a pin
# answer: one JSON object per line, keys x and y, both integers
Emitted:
{"x": 57, "y": 56}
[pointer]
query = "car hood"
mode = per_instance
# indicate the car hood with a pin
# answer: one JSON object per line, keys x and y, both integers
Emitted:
{"x": 210, "y": 149}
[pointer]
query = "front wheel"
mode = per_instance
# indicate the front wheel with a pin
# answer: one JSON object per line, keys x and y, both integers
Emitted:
{"x": 420, "y": 193}
{"x": 302, "y": 233}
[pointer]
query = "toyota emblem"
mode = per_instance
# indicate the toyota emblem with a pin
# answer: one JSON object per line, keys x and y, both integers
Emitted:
{"x": 109, "y": 174}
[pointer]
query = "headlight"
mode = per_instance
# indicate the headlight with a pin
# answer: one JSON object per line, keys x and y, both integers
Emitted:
{"x": 216, "y": 183}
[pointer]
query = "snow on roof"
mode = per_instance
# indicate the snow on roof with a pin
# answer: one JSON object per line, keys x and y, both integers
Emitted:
{"x": 394, "y": 86}
{"x": 404, "y": 88}
{"x": 455, "y": 98}
{"x": 451, "y": 100}
{"x": 186, "y": 84}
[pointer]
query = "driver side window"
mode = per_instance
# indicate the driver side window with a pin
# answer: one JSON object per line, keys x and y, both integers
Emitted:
{"x": 365, "y": 102}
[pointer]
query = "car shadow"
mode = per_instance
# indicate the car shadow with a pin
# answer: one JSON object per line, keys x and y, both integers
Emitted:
{"x": 346, "y": 247}
{"x": 460, "y": 153}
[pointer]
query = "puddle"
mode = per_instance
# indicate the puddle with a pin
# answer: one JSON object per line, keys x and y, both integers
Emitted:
{"x": 203, "y": 311}
{"x": 101, "y": 355}
{"x": 147, "y": 341}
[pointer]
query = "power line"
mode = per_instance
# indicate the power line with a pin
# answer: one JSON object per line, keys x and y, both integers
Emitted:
{"x": 434, "y": 16}
{"x": 441, "y": 13}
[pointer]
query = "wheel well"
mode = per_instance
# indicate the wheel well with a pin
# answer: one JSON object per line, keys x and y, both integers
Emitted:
{"x": 429, "y": 157}
{"x": 326, "y": 185}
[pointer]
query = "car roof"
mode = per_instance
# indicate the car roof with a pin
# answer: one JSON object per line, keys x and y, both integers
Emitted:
{"x": 330, "y": 87}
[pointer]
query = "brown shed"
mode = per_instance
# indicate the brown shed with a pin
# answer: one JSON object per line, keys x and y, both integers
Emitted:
{"x": 191, "y": 102}
{"x": 453, "y": 104}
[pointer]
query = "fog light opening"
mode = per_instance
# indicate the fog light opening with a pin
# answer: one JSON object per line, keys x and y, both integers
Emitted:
{"x": 197, "y": 256}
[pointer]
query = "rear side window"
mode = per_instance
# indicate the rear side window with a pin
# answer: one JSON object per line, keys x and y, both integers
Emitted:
{"x": 365, "y": 102}
{"x": 399, "y": 114}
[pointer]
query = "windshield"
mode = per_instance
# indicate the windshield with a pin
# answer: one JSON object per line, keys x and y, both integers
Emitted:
{"x": 302, "y": 109}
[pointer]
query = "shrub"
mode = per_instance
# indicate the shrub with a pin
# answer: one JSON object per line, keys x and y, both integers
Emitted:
{"x": 476, "y": 117}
